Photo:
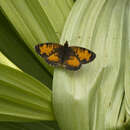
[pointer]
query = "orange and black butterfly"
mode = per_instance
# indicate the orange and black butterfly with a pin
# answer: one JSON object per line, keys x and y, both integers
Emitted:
{"x": 62, "y": 55}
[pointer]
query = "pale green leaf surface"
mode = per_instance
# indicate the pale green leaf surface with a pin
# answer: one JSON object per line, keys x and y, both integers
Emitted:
{"x": 94, "y": 97}
{"x": 127, "y": 64}
{"x": 57, "y": 12}
{"x": 37, "y": 21}
{"x": 22, "y": 97}
{"x": 14, "y": 48}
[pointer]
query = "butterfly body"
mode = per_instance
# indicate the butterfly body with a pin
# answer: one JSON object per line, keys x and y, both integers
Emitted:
{"x": 62, "y": 55}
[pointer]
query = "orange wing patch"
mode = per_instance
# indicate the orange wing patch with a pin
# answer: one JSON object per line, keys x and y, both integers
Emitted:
{"x": 47, "y": 49}
{"x": 53, "y": 58}
{"x": 73, "y": 61}
{"x": 83, "y": 54}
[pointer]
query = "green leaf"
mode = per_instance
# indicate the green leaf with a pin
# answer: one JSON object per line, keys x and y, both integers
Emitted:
{"x": 14, "y": 48}
{"x": 28, "y": 126}
{"x": 36, "y": 22}
{"x": 96, "y": 96}
{"x": 4, "y": 60}
{"x": 23, "y": 98}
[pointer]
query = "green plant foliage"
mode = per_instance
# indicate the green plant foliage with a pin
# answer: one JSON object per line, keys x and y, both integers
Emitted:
{"x": 12, "y": 46}
{"x": 23, "y": 98}
{"x": 96, "y": 97}
{"x": 23, "y": 24}
{"x": 36, "y": 22}
{"x": 28, "y": 126}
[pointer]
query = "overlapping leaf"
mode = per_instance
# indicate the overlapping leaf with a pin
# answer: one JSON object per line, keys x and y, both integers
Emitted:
{"x": 94, "y": 97}
{"x": 23, "y": 98}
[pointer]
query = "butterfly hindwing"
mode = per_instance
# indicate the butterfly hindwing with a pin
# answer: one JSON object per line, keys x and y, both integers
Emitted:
{"x": 84, "y": 55}
{"x": 72, "y": 62}
{"x": 54, "y": 59}
{"x": 50, "y": 52}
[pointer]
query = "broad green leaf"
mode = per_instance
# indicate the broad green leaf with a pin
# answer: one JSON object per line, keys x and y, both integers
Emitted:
{"x": 28, "y": 126}
{"x": 14, "y": 48}
{"x": 97, "y": 96}
{"x": 56, "y": 11}
{"x": 37, "y": 21}
{"x": 23, "y": 98}
{"x": 4, "y": 60}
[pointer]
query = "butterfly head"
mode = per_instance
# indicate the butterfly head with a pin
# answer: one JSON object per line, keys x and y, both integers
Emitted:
{"x": 66, "y": 44}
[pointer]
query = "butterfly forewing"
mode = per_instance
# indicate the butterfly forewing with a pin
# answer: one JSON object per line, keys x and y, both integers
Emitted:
{"x": 50, "y": 52}
{"x": 46, "y": 49}
{"x": 84, "y": 55}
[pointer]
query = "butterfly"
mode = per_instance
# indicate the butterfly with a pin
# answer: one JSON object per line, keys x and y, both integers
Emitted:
{"x": 64, "y": 56}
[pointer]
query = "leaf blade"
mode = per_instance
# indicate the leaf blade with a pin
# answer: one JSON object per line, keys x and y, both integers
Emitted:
{"x": 22, "y": 57}
{"x": 23, "y": 97}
